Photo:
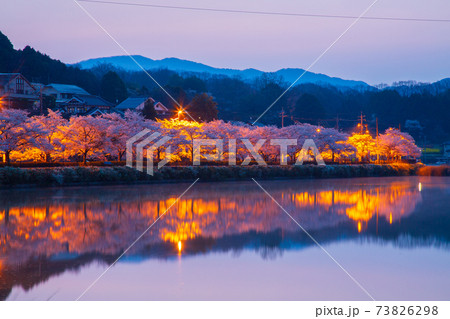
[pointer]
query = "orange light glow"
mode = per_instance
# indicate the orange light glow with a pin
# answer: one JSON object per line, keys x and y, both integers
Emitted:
{"x": 318, "y": 130}
{"x": 180, "y": 246}
{"x": 390, "y": 218}
{"x": 178, "y": 124}
{"x": 420, "y": 187}
{"x": 359, "y": 227}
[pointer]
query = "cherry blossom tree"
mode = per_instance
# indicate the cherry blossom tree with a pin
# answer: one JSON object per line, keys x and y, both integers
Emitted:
{"x": 85, "y": 136}
{"x": 46, "y": 138}
{"x": 17, "y": 132}
{"x": 49, "y": 144}
{"x": 118, "y": 131}
{"x": 395, "y": 144}
{"x": 364, "y": 144}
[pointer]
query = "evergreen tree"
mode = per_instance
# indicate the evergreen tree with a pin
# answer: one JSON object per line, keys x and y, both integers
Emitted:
{"x": 149, "y": 111}
{"x": 203, "y": 108}
{"x": 112, "y": 88}
{"x": 308, "y": 109}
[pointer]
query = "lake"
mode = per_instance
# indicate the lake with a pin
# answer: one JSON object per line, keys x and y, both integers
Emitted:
{"x": 382, "y": 237}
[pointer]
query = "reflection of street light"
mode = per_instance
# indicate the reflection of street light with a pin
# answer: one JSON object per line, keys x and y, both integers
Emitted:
{"x": 179, "y": 247}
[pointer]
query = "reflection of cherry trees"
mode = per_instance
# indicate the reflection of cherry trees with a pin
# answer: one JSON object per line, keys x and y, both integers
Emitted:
{"x": 107, "y": 220}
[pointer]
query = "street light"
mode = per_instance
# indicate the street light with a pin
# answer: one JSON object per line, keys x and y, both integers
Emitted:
{"x": 179, "y": 114}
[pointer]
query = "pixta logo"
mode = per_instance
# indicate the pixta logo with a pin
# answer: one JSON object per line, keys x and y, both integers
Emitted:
{"x": 151, "y": 143}
{"x": 146, "y": 144}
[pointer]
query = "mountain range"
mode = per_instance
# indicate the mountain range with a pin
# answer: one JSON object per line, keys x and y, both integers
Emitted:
{"x": 184, "y": 66}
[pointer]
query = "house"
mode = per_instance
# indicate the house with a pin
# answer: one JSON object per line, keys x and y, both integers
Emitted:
{"x": 161, "y": 109}
{"x": 85, "y": 104}
{"x": 16, "y": 91}
{"x": 62, "y": 92}
{"x": 137, "y": 104}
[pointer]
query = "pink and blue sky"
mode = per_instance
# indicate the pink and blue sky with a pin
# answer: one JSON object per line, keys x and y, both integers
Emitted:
{"x": 374, "y": 51}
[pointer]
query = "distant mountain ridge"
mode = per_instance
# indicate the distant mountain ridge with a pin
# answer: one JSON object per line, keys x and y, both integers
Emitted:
{"x": 408, "y": 88}
{"x": 179, "y": 65}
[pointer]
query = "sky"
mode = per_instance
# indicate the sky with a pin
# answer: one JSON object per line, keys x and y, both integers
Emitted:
{"x": 374, "y": 51}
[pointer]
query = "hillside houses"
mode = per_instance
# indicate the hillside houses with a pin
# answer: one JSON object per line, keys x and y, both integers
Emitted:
{"x": 17, "y": 92}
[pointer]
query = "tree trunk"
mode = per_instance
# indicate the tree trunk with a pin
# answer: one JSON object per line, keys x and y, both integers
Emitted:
{"x": 47, "y": 157}
{"x": 7, "y": 158}
{"x": 84, "y": 158}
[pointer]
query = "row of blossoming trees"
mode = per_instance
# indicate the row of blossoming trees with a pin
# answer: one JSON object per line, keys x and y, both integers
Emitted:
{"x": 53, "y": 138}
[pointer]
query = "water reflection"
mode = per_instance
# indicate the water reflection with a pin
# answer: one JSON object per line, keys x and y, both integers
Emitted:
{"x": 46, "y": 232}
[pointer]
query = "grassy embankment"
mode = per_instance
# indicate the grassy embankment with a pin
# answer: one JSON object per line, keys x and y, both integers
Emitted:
{"x": 62, "y": 176}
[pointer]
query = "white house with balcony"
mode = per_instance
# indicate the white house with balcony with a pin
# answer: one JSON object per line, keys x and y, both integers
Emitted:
{"x": 16, "y": 91}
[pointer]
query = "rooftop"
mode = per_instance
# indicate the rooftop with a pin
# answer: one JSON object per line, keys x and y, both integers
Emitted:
{"x": 67, "y": 88}
{"x": 132, "y": 103}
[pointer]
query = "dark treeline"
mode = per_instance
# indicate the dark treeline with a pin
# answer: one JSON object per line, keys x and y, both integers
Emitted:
{"x": 423, "y": 113}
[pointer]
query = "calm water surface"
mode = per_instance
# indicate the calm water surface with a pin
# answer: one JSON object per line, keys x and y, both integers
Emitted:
{"x": 229, "y": 241}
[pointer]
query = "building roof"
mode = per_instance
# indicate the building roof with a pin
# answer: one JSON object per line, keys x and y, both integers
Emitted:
{"x": 132, "y": 103}
{"x": 94, "y": 111}
{"x": 67, "y": 88}
{"x": 37, "y": 86}
{"x": 161, "y": 107}
{"x": 89, "y": 100}
{"x": 6, "y": 77}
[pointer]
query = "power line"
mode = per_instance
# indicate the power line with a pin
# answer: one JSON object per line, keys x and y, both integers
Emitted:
{"x": 265, "y": 12}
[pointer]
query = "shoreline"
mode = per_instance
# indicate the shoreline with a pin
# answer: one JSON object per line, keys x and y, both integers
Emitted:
{"x": 13, "y": 177}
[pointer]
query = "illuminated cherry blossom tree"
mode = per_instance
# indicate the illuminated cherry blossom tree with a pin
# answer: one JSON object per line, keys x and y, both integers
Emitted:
{"x": 17, "y": 132}
{"x": 85, "y": 136}
{"x": 364, "y": 144}
{"x": 395, "y": 144}
{"x": 49, "y": 143}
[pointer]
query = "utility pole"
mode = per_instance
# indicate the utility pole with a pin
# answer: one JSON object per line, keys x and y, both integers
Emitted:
{"x": 377, "y": 126}
{"x": 361, "y": 120}
{"x": 41, "y": 100}
{"x": 378, "y": 150}
{"x": 337, "y": 122}
{"x": 283, "y": 115}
